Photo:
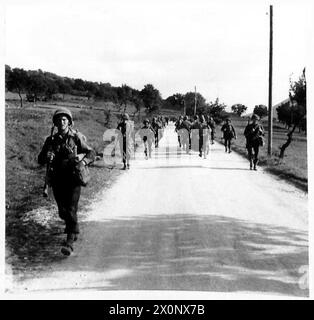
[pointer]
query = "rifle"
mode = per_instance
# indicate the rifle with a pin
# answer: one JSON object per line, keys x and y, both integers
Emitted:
{"x": 48, "y": 169}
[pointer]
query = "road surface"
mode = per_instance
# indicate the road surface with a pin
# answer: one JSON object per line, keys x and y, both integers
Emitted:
{"x": 181, "y": 222}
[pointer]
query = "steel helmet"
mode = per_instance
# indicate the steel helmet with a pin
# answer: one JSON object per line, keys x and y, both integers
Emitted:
{"x": 255, "y": 116}
{"x": 63, "y": 111}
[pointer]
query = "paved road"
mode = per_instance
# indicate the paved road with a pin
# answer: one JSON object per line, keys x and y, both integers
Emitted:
{"x": 181, "y": 222}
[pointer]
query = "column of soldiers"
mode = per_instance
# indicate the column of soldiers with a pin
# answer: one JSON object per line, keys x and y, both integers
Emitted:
{"x": 198, "y": 132}
{"x": 195, "y": 134}
{"x": 66, "y": 153}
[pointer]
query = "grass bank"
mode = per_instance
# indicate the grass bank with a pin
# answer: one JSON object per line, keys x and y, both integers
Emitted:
{"x": 293, "y": 168}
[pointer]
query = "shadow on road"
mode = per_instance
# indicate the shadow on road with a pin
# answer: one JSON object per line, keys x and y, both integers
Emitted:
{"x": 190, "y": 167}
{"x": 187, "y": 252}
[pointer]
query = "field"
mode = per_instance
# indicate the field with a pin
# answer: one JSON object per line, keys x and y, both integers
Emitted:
{"x": 293, "y": 167}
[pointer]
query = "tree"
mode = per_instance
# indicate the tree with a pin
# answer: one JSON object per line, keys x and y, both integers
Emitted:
{"x": 176, "y": 102}
{"x": 36, "y": 84}
{"x": 151, "y": 98}
{"x": 138, "y": 103}
{"x": 51, "y": 88}
{"x": 297, "y": 97}
{"x": 189, "y": 99}
{"x": 124, "y": 94}
{"x": 64, "y": 86}
{"x": 216, "y": 110}
{"x": 284, "y": 113}
{"x": 238, "y": 109}
{"x": 260, "y": 110}
{"x": 17, "y": 81}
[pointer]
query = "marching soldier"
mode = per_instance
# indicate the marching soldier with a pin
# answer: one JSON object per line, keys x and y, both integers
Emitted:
{"x": 228, "y": 134}
{"x": 253, "y": 133}
{"x": 125, "y": 140}
{"x": 178, "y": 127}
{"x": 205, "y": 133}
{"x": 156, "y": 125}
{"x": 147, "y": 134}
{"x": 212, "y": 126}
{"x": 185, "y": 134}
{"x": 61, "y": 150}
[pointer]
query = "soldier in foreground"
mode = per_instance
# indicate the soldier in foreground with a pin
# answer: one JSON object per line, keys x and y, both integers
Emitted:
{"x": 254, "y": 133}
{"x": 62, "y": 151}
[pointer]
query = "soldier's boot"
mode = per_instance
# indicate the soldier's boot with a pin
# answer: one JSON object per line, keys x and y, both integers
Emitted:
{"x": 128, "y": 165}
{"x": 251, "y": 164}
{"x": 255, "y": 164}
{"x": 145, "y": 152}
{"x": 124, "y": 166}
{"x": 67, "y": 248}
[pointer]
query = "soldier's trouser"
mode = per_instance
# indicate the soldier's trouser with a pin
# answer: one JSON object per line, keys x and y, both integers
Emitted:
{"x": 124, "y": 150}
{"x": 228, "y": 144}
{"x": 200, "y": 144}
{"x": 156, "y": 138}
{"x": 212, "y": 136}
{"x": 148, "y": 145}
{"x": 67, "y": 196}
{"x": 179, "y": 140}
{"x": 253, "y": 153}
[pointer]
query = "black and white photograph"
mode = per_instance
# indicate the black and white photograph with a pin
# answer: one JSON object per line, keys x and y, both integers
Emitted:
{"x": 156, "y": 149}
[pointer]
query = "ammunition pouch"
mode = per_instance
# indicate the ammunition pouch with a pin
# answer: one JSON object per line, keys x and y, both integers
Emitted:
{"x": 81, "y": 174}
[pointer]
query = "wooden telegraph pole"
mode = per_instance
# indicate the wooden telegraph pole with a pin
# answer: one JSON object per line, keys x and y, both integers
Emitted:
{"x": 195, "y": 102}
{"x": 270, "y": 111}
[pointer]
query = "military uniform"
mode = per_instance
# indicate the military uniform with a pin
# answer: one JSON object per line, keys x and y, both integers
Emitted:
{"x": 212, "y": 126}
{"x": 252, "y": 133}
{"x": 228, "y": 134}
{"x": 125, "y": 140}
{"x": 147, "y": 134}
{"x": 178, "y": 125}
{"x": 66, "y": 188}
{"x": 157, "y": 127}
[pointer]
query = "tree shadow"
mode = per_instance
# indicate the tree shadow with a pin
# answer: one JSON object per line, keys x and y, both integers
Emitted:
{"x": 187, "y": 252}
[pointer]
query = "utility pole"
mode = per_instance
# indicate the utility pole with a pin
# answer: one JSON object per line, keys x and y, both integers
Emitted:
{"x": 270, "y": 111}
{"x": 195, "y": 102}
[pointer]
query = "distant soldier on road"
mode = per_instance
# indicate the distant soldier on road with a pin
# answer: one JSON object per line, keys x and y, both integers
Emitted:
{"x": 147, "y": 134}
{"x": 228, "y": 134}
{"x": 206, "y": 132}
{"x": 156, "y": 125}
{"x": 212, "y": 126}
{"x": 125, "y": 140}
{"x": 178, "y": 127}
{"x": 253, "y": 133}
{"x": 185, "y": 134}
{"x": 62, "y": 150}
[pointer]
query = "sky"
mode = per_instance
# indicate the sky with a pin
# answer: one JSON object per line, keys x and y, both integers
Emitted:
{"x": 221, "y": 47}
